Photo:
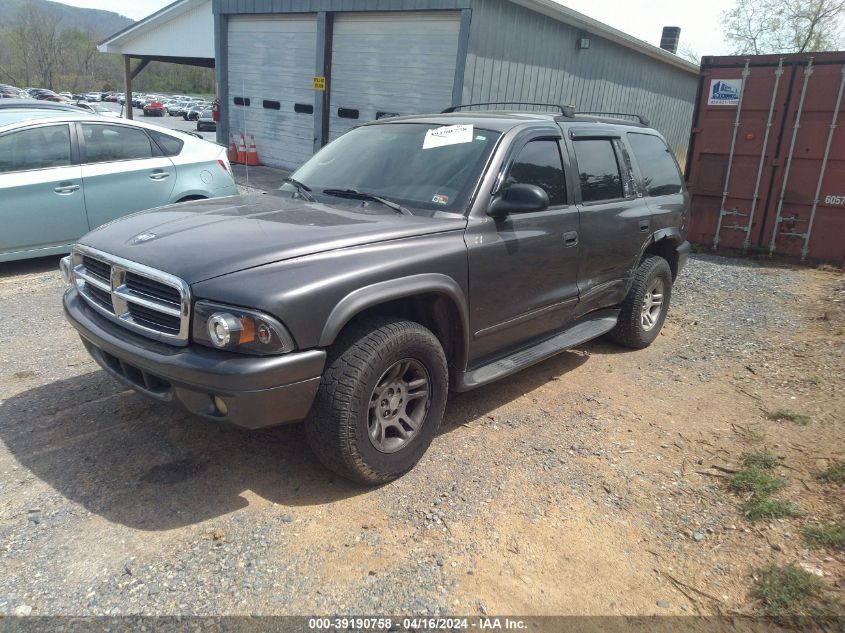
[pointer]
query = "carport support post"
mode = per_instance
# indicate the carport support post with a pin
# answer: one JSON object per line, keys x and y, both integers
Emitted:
{"x": 128, "y": 76}
{"x": 127, "y": 87}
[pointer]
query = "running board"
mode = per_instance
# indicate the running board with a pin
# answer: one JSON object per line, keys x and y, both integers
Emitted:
{"x": 591, "y": 326}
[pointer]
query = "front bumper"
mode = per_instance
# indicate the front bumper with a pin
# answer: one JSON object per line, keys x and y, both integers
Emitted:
{"x": 258, "y": 391}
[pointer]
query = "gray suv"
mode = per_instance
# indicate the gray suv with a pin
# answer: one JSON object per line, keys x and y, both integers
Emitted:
{"x": 410, "y": 257}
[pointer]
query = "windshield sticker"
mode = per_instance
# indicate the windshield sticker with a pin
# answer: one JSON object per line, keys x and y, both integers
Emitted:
{"x": 447, "y": 135}
{"x": 439, "y": 198}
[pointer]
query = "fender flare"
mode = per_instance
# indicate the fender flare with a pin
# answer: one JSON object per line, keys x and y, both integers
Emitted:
{"x": 672, "y": 233}
{"x": 368, "y": 296}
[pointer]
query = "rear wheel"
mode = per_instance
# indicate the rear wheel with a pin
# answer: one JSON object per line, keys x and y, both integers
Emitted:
{"x": 644, "y": 309}
{"x": 380, "y": 401}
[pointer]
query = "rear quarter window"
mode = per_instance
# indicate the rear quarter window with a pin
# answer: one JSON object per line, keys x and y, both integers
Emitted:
{"x": 170, "y": 145}
{"x": 660, "y": 173}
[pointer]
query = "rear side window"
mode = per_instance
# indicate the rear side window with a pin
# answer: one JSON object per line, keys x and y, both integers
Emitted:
{"x": 539, "y": 163}
{"x": 598, "y": 170}
{"x": 659, "y": 170}
{"x": 170, "y": 145}
{"x": 35, "y": 148}
{"x": 106, "y": 143}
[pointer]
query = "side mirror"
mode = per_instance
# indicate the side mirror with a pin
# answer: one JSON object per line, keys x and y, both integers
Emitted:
{"x": 519, "y": 198}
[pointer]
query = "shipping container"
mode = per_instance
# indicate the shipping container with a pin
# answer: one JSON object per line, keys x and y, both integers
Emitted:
{"x": 766, "y": 161}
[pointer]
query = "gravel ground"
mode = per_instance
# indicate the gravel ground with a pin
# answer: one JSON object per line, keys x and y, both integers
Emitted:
{"x": 569, "y": 488}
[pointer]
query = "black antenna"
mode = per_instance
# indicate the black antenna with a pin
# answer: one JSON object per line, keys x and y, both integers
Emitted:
{"x": 567, "y": 111}
{"x": 638, "y": 117}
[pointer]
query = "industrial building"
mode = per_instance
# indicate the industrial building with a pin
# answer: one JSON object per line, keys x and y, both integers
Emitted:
{"x": 298, "y": 73}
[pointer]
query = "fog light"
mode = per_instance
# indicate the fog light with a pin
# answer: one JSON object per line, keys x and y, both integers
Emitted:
{"x": 64, "y": 266}
{"x": 220, "y": 405}
{"x": 221, "y": 327}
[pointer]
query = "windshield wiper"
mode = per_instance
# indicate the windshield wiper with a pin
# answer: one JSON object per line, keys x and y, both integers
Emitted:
{"x": 305, "y": 190}
{"x": 363, "y": 195}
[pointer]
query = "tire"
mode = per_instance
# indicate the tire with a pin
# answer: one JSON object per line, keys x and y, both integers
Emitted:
{"x": 634, "y": 329}
{"x": 354, "y": 400}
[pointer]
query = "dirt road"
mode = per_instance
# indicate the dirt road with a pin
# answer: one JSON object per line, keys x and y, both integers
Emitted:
{"x": 594, "y": 483}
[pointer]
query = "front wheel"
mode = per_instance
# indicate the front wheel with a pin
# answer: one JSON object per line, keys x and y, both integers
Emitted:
{"x": 644, "y": 309}
{"x": 380, "y": 401}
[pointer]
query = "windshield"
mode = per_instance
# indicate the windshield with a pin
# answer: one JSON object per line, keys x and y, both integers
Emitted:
{"x": 423, "y": 167}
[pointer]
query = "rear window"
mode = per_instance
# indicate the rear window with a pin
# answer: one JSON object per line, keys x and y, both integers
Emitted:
{"x": 598, "y": 170}
{"x": 660, "y": 174}
{"x": 170, "y": 145}
{"x": 107, "y": 143}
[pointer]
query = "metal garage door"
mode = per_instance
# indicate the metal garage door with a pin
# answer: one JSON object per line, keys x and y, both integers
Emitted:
{"x": 271, "y": 62}
{"x": 402, "y": 63}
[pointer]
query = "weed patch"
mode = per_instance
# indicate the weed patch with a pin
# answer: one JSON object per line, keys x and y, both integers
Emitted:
{"x": 789, "y": 593}
{"x": 830, "y": 535}
{"x": 833, "y": 474}
{"x": 757, "y": 482}
{"x": 790, "y": 416}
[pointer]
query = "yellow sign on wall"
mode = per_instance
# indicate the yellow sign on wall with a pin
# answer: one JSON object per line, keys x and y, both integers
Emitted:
{"x": 319, "y": 83}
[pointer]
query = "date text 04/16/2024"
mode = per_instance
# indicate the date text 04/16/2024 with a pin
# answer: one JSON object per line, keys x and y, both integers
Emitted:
{"x": 416, "y": 624}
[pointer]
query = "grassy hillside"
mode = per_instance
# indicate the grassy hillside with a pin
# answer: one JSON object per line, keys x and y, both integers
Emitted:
{"x": 95, "y": 21}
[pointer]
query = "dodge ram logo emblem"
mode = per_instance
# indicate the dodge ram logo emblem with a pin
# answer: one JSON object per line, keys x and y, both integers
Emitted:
{"x": 143, "y": 237}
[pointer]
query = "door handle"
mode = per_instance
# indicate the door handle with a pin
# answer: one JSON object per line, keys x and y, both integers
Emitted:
{"x": 570, "y": 238}
{"x": 66, "y": 188}
{"x": 159, "y": 175}
{"x": 644, "y": 225}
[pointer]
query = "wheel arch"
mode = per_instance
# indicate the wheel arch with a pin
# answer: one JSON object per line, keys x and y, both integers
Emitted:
{"x": 434, "y": 300}
{"x": 664, "y": 243}
{"x": 188, "y": 196}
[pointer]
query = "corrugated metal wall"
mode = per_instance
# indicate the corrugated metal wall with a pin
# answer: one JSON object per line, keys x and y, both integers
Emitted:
{"x": 522, "y": 55}
{"x": 519, "y": 54}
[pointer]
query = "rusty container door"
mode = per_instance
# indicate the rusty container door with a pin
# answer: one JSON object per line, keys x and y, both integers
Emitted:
{"x": 766, "y": 167}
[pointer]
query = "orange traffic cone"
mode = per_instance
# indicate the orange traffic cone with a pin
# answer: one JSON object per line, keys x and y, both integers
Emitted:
{"x": 252, "y": 154}
{"x": 241, "y": 158}
{"x": 232, "y": 153}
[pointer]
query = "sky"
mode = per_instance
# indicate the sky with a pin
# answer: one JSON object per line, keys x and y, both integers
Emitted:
{"x": 699, "y": 21}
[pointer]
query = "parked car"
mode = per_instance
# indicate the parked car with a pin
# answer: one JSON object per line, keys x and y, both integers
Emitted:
{"x": 41, "y": 93}
{"x": 177, "y": 108}
{"x": 192, "y": 111}
{"x": 206, "y": 121}
{"x": 63, "y": 173}
{"x": 93, "y": 96}
{"x": 98, "y": 108}
{"x": 28, "y": 104}
{"x": 57, "y": 99}
{"x": 409, "y": 256}
{"x": 154, "y": 108}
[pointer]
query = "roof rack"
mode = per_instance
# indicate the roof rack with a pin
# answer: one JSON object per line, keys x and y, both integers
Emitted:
{"x": 565, "y": 110}
{"x": 638, "y": 117}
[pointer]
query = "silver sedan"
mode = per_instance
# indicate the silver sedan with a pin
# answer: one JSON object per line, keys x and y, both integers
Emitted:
{"x": 63, "y": 174}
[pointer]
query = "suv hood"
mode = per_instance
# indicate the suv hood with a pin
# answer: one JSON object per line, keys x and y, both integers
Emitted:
{"x": 208, "y": 238}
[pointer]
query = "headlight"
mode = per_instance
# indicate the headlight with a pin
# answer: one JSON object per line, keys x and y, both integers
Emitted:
{"x": 238, "y": 330}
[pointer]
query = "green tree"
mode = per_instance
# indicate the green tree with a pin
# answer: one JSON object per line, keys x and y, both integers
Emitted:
{"x": 757, "y": 27}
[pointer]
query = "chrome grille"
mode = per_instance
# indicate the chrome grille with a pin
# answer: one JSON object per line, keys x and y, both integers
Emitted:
{"x": 142, "y": 299}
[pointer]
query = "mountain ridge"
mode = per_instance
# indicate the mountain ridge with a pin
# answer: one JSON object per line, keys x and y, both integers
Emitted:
{"x": 98, "y": 22}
